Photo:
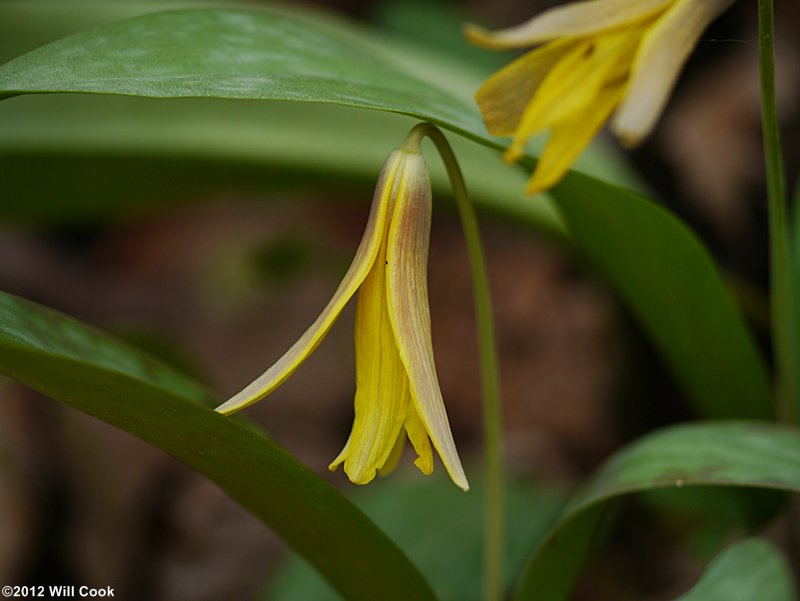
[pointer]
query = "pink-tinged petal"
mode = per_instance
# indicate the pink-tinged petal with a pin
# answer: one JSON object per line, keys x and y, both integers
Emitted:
{"x": 407, "y": 271}
{"x": 663, "y": 52}
{"x": 359, "y": 268}
{"x": 575, "y": 19}
{"x": 503, "y": 97}
{"x": 382, "y": 392}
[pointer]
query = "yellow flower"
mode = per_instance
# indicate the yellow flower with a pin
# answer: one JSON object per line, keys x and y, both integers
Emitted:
{"x": 397, "y": 391}
{"x": 597, "y": 58}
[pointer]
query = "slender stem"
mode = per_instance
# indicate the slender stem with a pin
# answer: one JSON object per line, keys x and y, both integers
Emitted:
{"x": 490, "y": 373}
{"x": 780, "y": 275}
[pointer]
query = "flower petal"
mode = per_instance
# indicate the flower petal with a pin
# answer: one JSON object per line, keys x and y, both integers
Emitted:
{"x": 503, "y": 97}
{"x": 662, "y": 54}
{"x": 394, "y": 457}
{"x": 568, "y": 139}
{"x": 573, "y": 84}
{"x": 359, "y": 268}
{"x": 382, "y": 392}
{"x": 418, "y": 436}
{"x": 576, "y": 19}
{"x": 407, "y": 257}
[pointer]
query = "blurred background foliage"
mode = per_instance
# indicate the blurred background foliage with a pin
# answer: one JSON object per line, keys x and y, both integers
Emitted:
{"x": 192, "y": 229}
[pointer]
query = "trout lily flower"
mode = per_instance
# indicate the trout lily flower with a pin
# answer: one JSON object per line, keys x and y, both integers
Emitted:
{"x": 594, "y": 58}
{"x": 397, "y": 391}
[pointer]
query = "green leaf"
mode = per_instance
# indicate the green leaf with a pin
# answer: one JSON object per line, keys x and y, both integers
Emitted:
{"x": 657, "y": 265}
{"x": 230, "y": 54}
{"x": 739, "y": 454}
{"x": 93, "y": 148}
{"x": 672, "y": 286}
{"x": 113, "y": 155}
{"x": 750, "y": 569}
{"x": 47, "y": 20}
{"x": 441, "y": 530}
{"x": 81, "y": 367}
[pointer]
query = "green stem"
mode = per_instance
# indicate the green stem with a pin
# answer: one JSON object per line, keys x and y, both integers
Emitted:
{"x": 490, "y": 373}
{"x": 781, "y": 293}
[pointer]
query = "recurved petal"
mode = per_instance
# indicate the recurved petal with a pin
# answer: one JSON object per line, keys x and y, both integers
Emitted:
{"x": 409, "y": 313}
{"x": 569, "y": 138}
{"x": 576, "y": 19}
{"x": 503, "y": 97}
{"x": 663, "y": 52}
{"x": 382, "y": 392}
{"x": 359, "y": 268}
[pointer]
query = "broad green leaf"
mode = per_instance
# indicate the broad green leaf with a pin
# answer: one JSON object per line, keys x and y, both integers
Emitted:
{"x": 738, "y": 454}
{"x": 92, "y": 149}
{"x": 751, "y": 569}
{"x": 93, "y": 373}
{"x": 442, "y": 532}
{"x": 671, "y": 284}
{"x": 227, "y": 53}
{"x": 24, "y": 21}
{"x": 113, "y": 155}
{"x": 26, "y": 25}
{"x": 655, "y": 262}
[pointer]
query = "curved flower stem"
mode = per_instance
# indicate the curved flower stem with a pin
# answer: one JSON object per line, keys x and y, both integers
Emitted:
{"x": 490, "y": 379}
{"x": 781, "y": 297}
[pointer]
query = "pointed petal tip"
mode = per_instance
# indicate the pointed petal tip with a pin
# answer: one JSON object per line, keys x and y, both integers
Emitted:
{"x": 629, "y": 142}
{"x": 512, "y": 155}
{"x": 662, "y": 53}
{"x": 537, "y": 184}
{"x": 479, "y": 36}
{"x": 456, "y": 473}
{"x": 424, "y": 463}
{"x": 631, "y": 130}
{"x": 544, "y": 178}
{"x": 533, "y": 190}
{"x": 334, "y": 465}
{"x": 231, "y": 406}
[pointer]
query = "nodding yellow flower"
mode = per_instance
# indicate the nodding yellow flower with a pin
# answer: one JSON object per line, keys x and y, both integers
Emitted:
{"x": 397, "y": 391}
{"x": 596, "y": 58}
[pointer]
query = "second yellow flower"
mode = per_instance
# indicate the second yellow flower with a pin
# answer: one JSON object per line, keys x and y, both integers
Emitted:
{"x": 597, "y": 58}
